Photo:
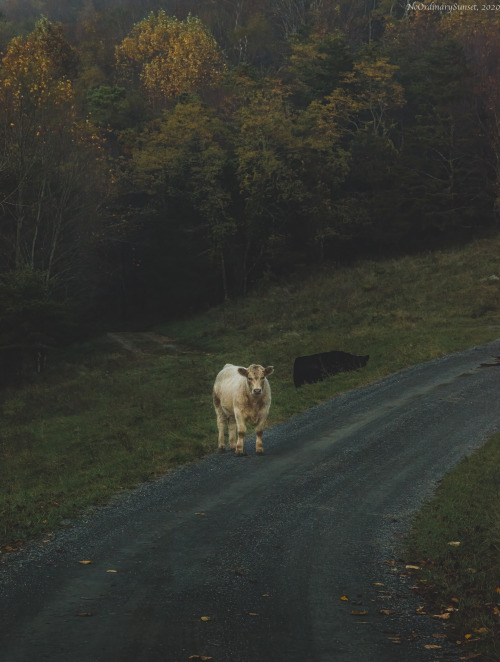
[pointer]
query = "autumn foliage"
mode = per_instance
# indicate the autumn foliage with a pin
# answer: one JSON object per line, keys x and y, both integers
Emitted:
{"x": 170, "y": 56}
{"x": 155, "y": 163}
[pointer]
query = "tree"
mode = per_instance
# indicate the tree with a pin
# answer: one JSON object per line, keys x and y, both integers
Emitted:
{"x": 170, "y": 57}
{"x": 290, "y": 167}
{"x": 441, "y": 181}
{"x": 31, "y": 321}
{"x": 317, "y": 65}
{"x": 180, "y": 160}
{"x": 479, "y": 37}
{"x": 51, "y": 161}
{"x": 347, "y": 127}
{"x": 376, "y": 90}
{"x": 268, "y": 174}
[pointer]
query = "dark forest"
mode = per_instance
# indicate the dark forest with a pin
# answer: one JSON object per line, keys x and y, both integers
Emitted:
{"x": 160, "y": 158}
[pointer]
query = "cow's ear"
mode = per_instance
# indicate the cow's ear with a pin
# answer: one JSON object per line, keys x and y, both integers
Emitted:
{"x": 269, "y": 370}
{"x": 243, "y": 372}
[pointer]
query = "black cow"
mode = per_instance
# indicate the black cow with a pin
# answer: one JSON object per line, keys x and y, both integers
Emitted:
{"x": 314, "y": 368}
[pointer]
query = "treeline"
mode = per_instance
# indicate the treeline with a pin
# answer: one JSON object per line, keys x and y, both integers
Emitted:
{"x": 155, "y": 161}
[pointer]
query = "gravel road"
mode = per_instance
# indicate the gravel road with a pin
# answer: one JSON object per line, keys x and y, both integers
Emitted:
{"x": 248, "y": 559}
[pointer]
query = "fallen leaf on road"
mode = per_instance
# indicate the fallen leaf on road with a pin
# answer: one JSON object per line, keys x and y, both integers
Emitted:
{"x": 85, "y": 562}
{"x": 386, "y": 612}
{"x": 412, "y": 567}
{"x": 111, "y": 570}
{"x": 345, "y": 598}
{"x": 355, "y": 612}
{"x": 200, "y": 657}
{"x": 202, "y": 514}
{"x": 252, "y": 613}
{"x": 206, "y": 618}
{"x": 454, "y": 543}
{"x": 443, "y": 617}
{"x": 431, "y": 646}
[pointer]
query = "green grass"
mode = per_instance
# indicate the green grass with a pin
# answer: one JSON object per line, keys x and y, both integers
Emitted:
{"x": 75, "y": 438}
{"x": 102, "y": 419}
{"x": 466, "y": 576}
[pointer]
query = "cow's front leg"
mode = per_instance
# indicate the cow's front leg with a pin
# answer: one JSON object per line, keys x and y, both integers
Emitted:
{"x": 242, "y": 429}
{"x": 259, "y": 448}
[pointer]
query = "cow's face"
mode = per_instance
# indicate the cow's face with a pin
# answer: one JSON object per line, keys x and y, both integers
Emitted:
{"x": 255, "y": 376}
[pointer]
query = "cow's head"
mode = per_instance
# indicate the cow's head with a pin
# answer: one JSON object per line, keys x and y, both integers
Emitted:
{"x": 255, "y": 376}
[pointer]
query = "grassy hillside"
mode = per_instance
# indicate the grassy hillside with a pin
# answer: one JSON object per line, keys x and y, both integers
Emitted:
{"x": 103, "y": 417}
{"x": 456, "y": 542}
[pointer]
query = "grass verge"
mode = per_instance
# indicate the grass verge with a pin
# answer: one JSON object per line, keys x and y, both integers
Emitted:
{"x": 456, "y": 542}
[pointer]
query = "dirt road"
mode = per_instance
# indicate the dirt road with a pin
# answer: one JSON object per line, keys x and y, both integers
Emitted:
{"x": 249, "y": 559}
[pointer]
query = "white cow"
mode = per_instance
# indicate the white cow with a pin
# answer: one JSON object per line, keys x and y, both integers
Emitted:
{"x": 242, "y": 395}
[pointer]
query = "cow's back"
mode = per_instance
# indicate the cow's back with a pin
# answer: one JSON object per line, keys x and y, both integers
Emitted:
{"x": 316, "y": 367}
{"x": 228, "y": 385}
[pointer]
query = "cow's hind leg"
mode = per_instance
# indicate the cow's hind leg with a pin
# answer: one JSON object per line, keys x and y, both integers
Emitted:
{"x": 231, "y": 424}
{"x": 221, "y": 423}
